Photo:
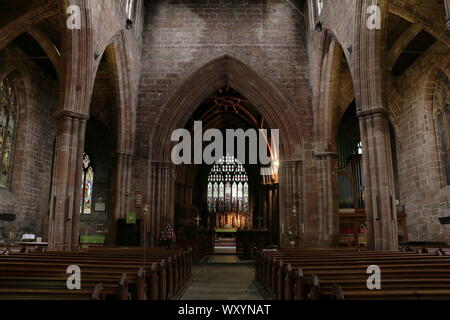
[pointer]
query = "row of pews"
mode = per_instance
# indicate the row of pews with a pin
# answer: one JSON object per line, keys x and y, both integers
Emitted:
{"x": 116, "y": 273}
{"x": 341, "y": 273}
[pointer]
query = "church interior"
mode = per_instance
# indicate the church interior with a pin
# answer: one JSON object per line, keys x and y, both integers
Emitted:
{"x": 351, "y": 103}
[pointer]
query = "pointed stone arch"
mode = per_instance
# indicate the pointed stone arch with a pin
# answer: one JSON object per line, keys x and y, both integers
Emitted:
{"x": 327, "y": 117}
{"x": 179, "y": 105}
{"x": 225, "y": 70}
{"x": 118, "y": 60}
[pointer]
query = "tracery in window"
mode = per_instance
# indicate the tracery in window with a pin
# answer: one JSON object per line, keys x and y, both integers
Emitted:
{"x": 227, "y": 189}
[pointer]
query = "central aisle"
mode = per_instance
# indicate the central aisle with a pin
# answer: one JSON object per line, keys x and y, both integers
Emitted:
{"x": 222, "y": 277}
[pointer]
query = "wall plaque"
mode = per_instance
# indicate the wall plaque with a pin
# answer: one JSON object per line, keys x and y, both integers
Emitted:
{"x": 100, "y": 206}
{"x": 139, "y": 199}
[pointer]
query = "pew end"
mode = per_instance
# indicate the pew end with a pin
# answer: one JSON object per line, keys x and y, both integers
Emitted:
{"x": 338, "y": 294}
{"x": 98, "y": 292}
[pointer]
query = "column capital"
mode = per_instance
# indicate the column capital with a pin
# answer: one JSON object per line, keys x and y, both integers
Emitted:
{"x": 291, "y": 163}
{"x": 325, "y": 155}
{"x": 162, "y": 164}
{"x": 124, "y": 153}
{"x": 70, "y": 114}
{"x": 372, "y": 113}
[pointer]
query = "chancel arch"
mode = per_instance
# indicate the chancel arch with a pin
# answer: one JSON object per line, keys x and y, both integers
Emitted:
{"x": 222, "y": 72}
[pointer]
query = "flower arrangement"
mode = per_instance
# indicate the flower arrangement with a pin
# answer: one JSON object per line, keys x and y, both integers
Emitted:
{"x": 291, "y": 236}
{"x": 168, "y": 236}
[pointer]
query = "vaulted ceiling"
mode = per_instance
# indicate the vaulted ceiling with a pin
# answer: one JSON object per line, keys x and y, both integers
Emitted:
{"x": 413, "y": 26}
{"x": 11, "y": 10}
{"x": 48, "y": 28}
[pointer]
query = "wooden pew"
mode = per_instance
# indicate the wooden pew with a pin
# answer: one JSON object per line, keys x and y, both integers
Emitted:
{"x": 164, "y": 273}
{"x": 178, "y": 264}
{"x": 301, "y": 274}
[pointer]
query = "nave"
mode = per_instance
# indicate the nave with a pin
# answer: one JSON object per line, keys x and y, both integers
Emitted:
{"x": 223, "y": 277}
{"x": 120, "y": 273}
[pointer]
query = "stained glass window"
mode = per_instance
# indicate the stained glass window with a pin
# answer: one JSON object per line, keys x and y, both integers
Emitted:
{"x": 87, "y": 183}
{"x": 227, "y": 186}
{"x": 8, "y": 124}
{"x": 210, "y": 196}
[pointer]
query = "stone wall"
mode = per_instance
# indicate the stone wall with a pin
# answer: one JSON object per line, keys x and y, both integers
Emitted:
{"x": 29, "y": 193}
{"x": 423, "y": 190}
{"x": 178, "y": 38}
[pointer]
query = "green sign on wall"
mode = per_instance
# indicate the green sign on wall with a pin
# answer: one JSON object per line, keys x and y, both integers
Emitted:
{"x": 86, "y": 239}
{"x": 130, "y": 218}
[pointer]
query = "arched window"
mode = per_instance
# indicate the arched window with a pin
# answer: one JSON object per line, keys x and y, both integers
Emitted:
{"x": 8, "y": 124}
{"x": 227, "y": 186}
{"x": 87, "y": 182}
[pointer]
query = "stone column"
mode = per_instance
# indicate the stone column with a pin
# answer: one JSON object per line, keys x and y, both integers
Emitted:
{"x": 270, "y": 212}
{"x": 328, "y": 198}
{"x": 276, "y": 212}
{"x": 379, "y": 189}
{"x": 66, "y": 189}
{"x": 120, "y": 192}
{"x": 266, "y": 223}
{"x": 290, "y": 197}
{"x": 161, "y": 195}
{"x": 370, "y": 82}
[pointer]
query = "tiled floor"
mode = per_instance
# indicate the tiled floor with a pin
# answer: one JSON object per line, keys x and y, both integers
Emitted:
{"x": 222, "y": 259}
{"x": 224, "y": 281}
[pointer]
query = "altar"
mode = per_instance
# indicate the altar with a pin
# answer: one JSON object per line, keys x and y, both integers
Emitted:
{"x": 225, "y": 232}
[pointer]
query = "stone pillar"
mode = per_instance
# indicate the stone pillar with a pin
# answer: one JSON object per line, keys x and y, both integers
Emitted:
{"x": 328, "y": 198}
{"x": 270, "y": 216}
{"x": 379, "y": 189}
{"x": 161, "y": 195}
{"x": 370, "y": 82}
{"x": 120, "y": 192}
{"x": 290, "y": 197}
{"x": 266, "y": 223}
{"x": 276, "y": 212}
{"x": 66, "y": 189}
